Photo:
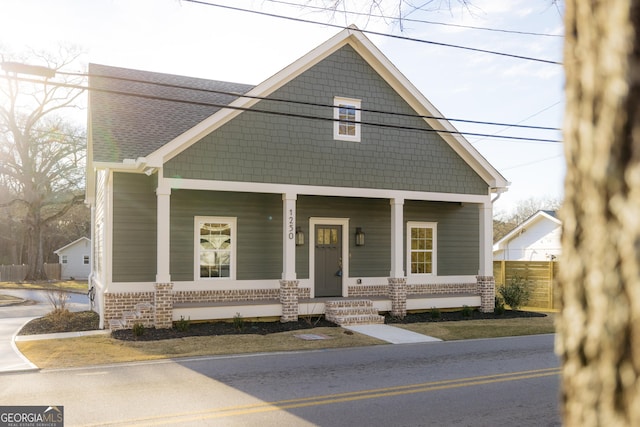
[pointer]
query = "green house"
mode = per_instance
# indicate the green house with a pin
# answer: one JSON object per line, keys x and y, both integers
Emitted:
{"x": 332, "y": 187}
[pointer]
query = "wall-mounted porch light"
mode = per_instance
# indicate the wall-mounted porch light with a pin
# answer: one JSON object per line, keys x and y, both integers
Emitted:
{"x": 359, "y": 237}
{"x": 299, "y": 236}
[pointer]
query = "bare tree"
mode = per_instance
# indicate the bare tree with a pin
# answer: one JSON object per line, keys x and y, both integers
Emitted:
{"x": 599, "y": 326}
{"x": 504, "y": 222}
{"x": 41, "y": 154}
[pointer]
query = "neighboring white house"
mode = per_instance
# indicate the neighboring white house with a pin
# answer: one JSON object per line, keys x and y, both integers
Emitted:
{"x": 536, "y": 239}
{"x": 75, "y": 259}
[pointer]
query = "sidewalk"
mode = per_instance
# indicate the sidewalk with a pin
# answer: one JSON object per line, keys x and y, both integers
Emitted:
{"x": 11, "y": 360}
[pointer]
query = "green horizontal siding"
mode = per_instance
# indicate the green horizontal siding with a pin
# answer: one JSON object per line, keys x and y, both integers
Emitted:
{"x": 259, "y": 231}
{"x": 134, "y": 228}
{"x": 458, "y": 248}
{"x": 372, "y": 215}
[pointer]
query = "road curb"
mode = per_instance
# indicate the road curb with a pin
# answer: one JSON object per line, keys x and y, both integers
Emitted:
{"x": 61, "y": 335}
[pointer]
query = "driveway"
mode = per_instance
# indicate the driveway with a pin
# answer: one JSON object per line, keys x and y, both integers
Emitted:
{"x": 13, "y": 318}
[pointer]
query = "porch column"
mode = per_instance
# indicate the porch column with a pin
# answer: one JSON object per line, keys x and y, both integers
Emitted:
{"x": 397, "y": 280}
{"x": 397, "y": 247}
{"x": 289, "y": 283}
{"x": 486, "y": 239}
{"x": 289, "y": 237}
{"x": 486, "y": 281}
{"x": 163, "y": 193}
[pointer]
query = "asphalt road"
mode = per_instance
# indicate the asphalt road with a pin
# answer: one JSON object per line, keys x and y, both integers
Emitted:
{"x": 506, "y": 381}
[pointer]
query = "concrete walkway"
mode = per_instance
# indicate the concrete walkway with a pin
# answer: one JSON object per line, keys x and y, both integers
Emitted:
{"x": 14, "y": 317}
{"x": 11, "y": 360}
{"x": 391, "y": 334}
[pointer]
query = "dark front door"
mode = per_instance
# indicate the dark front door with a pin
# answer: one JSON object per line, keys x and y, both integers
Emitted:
{"x": 328, "y": 261}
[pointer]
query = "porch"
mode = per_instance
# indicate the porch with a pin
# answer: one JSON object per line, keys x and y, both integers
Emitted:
{"x": 342, "y": 311}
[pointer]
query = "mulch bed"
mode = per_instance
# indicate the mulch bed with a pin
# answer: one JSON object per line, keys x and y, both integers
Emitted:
{"x": 88, "y": 320}
{"x": 264, "y": 328}
{"x": 69, "y": 322}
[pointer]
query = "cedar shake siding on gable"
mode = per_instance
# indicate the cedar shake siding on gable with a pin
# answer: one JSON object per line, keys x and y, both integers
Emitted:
{"x": 258, "y": 147}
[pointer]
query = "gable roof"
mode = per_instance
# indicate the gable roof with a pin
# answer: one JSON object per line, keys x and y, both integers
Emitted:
{"x": 136, "y": 115}
{"x": 67, "y": 246}
{"x": 137, "y": 147}
{"x": 541, "y": 215}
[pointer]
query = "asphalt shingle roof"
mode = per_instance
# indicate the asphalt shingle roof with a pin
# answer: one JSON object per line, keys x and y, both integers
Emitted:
{"x": 124, "y": 126}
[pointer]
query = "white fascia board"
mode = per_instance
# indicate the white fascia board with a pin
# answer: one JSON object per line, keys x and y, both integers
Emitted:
{"x": 424, "y": 107}
{"x": 120, "y": 167}
{"x": 193, "y": 135}
{"x": 90, "y": 171}
{"x": 380, "y": 63}
{"x": 312, "y": 190}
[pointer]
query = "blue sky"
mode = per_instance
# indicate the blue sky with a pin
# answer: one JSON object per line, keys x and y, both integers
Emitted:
{"x": 197, "y": 40}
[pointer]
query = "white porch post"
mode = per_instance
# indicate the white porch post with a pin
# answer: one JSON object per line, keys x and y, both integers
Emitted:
{"x": 163, "y": 193}
{"x": 397, "y": 247}
{"x": 486, "y": 239}
{"x": 289, "y": 236}
{"x": 486, "y": 281}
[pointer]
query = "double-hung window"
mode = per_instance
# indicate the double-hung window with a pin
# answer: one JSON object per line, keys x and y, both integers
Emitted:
{"x": 215, "y": 247}
{"x": 346, "y": 114}
{"x": 421, "y": 248}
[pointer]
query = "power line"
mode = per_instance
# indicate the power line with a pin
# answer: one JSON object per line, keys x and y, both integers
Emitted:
{"x": 313, "y": 104}
{"x": 277, "y": 113}
{"x": 532, "y": 162}
{"x": 308, "y": 21}
{"x": 420, "y": 21}
{"x": 523, "y": 120}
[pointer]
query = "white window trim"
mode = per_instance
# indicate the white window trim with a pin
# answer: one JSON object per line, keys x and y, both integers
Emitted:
{"x": 434, "y": 256}
{"x": 196, "y": 246}
{"x": 337, "y": 101}
{"x": 85, "y": 258}
{"x": 64, "y": 259}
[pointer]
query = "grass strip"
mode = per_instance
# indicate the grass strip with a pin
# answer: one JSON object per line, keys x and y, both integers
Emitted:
{"x": 98, "y": 350}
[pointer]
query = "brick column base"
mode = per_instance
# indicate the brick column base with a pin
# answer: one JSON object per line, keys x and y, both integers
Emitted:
{"x": 163, "y": 302}
{"x": 289, "y": 300}
{"x": 398, "y": 296}
{"x": 487, "y": 290}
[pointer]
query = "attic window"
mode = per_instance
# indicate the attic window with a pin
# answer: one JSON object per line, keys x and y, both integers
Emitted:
{"x": 346, "y": 113}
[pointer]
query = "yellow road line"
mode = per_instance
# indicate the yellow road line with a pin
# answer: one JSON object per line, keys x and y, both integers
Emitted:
{"x": 337, "y": 398}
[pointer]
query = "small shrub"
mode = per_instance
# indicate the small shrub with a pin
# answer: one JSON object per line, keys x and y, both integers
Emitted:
{"x": 58, "y": 299}
{"x": 516, "y": 293}
{"x": 499, "y": 306}
{"x": 435, "y": 313}
{"x": 238, "y": 322}
{"x": 183, "y": 324}
{"x": 138, "y": 329}
{"x": 467, "y": 311}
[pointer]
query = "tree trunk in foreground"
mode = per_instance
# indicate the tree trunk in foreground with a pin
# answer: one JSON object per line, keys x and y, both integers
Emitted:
{"x": 599, "y": 326}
